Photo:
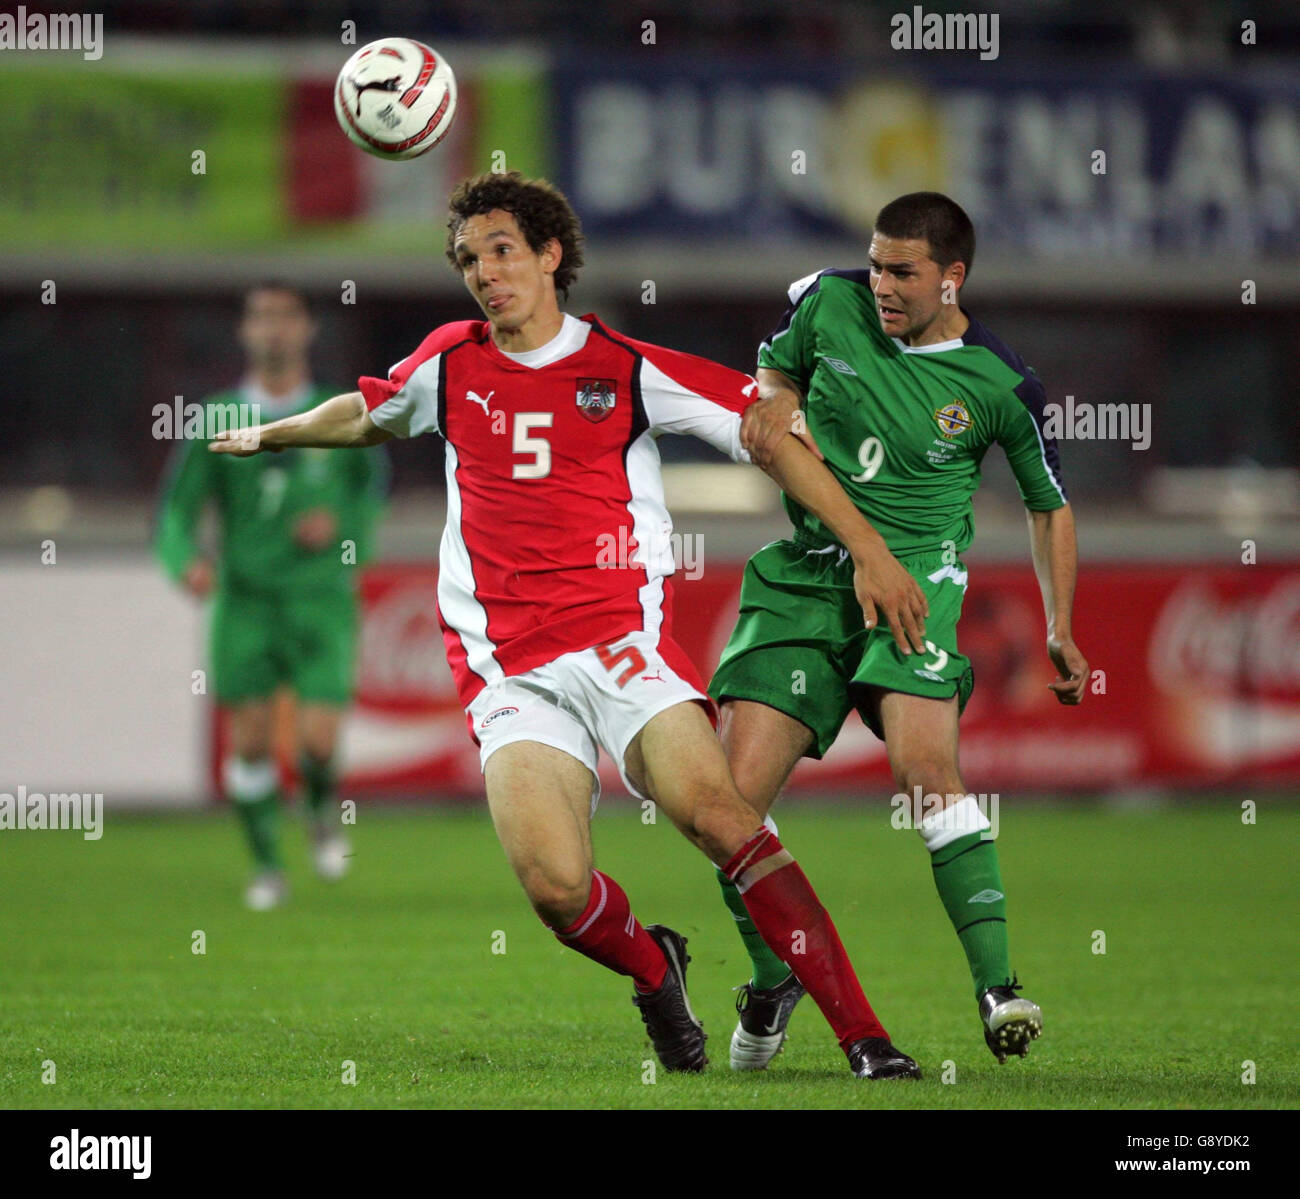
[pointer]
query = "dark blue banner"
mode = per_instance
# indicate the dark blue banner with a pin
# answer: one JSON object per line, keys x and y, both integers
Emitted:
{"x": 1046, "y": 162}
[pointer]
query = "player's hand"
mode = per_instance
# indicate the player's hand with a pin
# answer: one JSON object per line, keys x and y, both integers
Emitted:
{"x": 885, "y": 589}
{"x": 242, "y": 443}
{"x": 765, "y": 422}
{"x": 198, "y": 578}
{"x": 1071, "y": 665}
{"x": 315, "y": 530}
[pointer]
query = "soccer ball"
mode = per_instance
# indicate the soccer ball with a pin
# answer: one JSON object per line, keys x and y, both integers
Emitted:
{"x": 395, "y": 98}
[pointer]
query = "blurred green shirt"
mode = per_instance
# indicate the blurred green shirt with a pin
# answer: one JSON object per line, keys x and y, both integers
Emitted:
{"x": 260, "y": 499}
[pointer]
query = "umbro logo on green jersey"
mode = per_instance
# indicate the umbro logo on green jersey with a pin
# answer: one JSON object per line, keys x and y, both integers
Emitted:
{"x": 988, "y": 896}
{"x": 838, "y": 364}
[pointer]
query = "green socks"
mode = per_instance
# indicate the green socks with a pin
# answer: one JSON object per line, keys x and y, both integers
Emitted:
{"x": 769, "y": 970}
{"x": 318, "y": 781}
{"x": 970, "y": 884}
{"x": 254, "y": 788}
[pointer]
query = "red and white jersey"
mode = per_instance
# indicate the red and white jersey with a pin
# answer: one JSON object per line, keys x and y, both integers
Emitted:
{"x": 557, "y": 536}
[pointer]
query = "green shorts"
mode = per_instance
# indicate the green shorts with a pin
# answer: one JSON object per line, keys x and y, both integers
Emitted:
{"x": 800, "y": 646}
{"x": 259, "y": 641}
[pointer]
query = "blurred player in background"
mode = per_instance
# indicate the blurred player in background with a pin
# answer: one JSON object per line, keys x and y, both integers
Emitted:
{"x": 560, "y": 642}
{"x": 294, "y": 528}
{"x": 904, "y": 392}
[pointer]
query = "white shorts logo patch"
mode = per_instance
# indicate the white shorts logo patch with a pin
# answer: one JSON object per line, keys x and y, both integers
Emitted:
{"x": 496, "y": 715}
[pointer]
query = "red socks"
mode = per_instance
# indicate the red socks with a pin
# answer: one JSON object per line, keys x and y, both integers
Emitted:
{"x": 785, "y": 910}
{"x": 608, "y": 933}
{"x": 791, "y": 919}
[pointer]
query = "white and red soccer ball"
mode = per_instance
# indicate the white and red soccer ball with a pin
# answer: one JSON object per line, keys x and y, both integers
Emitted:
{"x": 395, "y": 98}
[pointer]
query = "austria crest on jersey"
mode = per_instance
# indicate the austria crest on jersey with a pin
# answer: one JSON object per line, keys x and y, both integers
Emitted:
{"x": 596, "y": 398}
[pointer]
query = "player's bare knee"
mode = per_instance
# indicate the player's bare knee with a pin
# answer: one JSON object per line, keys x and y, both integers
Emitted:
{"x": 250, "y": 733}
{"x": 934, "y": 776}
{"x": 752, "y": 784}
{"x": 318, "y": 734}
{"x": 320, "y": 749}
{"x": 721, "y": 823}
{"x": 557, "y": 899}
{"x": 252, "y": 746}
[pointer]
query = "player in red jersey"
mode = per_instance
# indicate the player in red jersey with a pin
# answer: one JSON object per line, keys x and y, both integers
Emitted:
{"x": 550, "y": 424}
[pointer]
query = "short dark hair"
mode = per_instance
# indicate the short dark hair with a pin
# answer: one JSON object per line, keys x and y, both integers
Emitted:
{"x": 935, "y": 218}
{"x": 540, "y": 210}
{"x": 304, "y": 300}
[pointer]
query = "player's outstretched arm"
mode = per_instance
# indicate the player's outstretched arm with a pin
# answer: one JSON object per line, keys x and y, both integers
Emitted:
{"x": 881, "y": 583}
{"x": 1056, "y": 563}
{"x": 341, "y": 422}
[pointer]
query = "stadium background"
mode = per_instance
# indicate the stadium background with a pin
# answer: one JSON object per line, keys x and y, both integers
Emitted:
{"x": 747, "y": 146}
{"x": 1149, "y": 896}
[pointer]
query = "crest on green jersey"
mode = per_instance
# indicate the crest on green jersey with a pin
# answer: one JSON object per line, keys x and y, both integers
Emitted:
{"x": 954, "y": 419}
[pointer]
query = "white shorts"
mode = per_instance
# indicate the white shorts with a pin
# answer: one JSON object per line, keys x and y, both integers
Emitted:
{"x": 601, "y": 696}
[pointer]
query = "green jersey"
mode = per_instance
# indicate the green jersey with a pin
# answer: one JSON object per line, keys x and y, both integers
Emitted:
{"x": 259, "y": 500}
{"x": 904, "y": 428}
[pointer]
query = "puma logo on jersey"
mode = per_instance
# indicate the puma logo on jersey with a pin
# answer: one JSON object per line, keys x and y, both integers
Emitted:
{"x": 475, "y": 398}
{"x": 652, "y": 678}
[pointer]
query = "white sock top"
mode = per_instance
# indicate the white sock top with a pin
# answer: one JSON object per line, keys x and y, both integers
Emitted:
{"x": 957, "y": 820}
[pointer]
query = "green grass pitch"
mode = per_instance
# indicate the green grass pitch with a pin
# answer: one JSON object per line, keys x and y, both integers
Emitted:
{"x": 394, "y": 970}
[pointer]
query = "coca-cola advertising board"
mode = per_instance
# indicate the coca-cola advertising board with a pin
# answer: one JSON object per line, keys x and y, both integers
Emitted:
{"x": 1194, "y": 682}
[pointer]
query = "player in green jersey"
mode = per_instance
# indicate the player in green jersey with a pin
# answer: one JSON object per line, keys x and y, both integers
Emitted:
{"x": 902, "y": 392}
{"x": 294, "y": 526}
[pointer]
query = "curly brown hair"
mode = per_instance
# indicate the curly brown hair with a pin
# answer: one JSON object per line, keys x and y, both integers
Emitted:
{"x": 540, "y": 210}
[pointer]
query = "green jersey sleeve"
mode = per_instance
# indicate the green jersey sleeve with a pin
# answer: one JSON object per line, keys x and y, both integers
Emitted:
{"x": 187, "y": 487}
{"x": 1033, "y": 455}
{"x": 791, "y": 348}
